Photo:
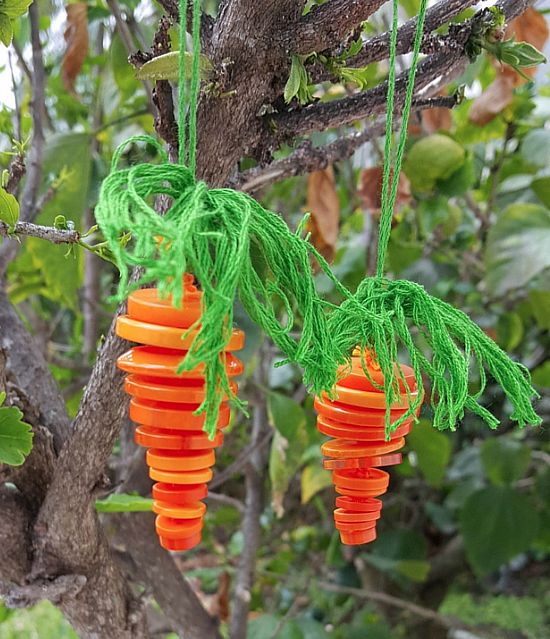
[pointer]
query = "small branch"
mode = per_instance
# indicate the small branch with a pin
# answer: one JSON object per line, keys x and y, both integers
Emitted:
{"x": 226, "y": 500}
{"x": 390, "y": 600}
{"x": 29, "y": 595}
{"x": 49, "y": 233}
{"x": 21, "y": 60}
{"x": 327, "y": 25}
{"x": 377, "y": 48}
{"x": 319, "y": 117}
{"x": 17, "y": 172}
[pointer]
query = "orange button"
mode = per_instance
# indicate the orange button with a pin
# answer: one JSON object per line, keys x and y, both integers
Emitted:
{"x": 355, "y": 416}
{"x": 167, "y": 336}
{"x": 161, "y": 362}
{"x": 180, "y": 460}
{"x": 176, "y": 545}
{"x": 188, "y": 477}
{"x": 342, "y": 448}
{"x": 188, "y": 511}
{"x": 360, "y": 433}
{"x": 145, "y": 305}
{"x": 168, "y": 390}
{"x": 176, "y": 416}
{"x": 358, "y": 537}
{"x": 355, "y": 526}
{"x": 179, "y": 494}
{"x": 363, "y": 462}
{"x": 359, "y": 504}
{"x": 356, "y": 378}
{"x": 177, "y": 528}
{"x": 151, "y": 437}
{"x": 345, "y": 516}
{"x": 370, "y": 399}
{"x": 359, "y": 479}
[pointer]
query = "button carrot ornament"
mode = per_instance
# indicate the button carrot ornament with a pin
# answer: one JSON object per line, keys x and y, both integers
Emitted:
{"x": 180, "y": 454}
{"x": 237, "y": 249}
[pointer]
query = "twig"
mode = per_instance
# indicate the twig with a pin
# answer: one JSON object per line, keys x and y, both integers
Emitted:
{"x": 226, "y": 500}
{"x": 389, "y": 600}
{"x": 49, "y": 233}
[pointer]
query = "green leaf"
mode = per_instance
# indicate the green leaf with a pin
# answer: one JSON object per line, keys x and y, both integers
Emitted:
{"x": 433, "y": 158}
{"x": 540, "y": 305}
{"x": 124, "y": 503}
{"x": 541, "y": 375}
{"x": 166, "y": 67}
{"x": 286, "y": 415}
{"x": 519, "y": 54}
{"x": 497, "y": 524}
{"x": 432, "y": 449}
{"x": 6, "y": 30}
{"x": 9, "y": 209}
{"x": 314, "y": 479}
{"x": 15, "y": 8}
{"x": 535, "y": 148}
{"x": 504, "y": 460}
{"x": 518, "y": 247}
{"x": 297, "y": 85}
{"x": 541, "y": 188}
{"x": 509, "y": 331}
{"x": 15, "y": 436}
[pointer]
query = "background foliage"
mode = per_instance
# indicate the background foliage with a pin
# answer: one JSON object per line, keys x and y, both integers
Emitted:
{"x": 466, "y": 526}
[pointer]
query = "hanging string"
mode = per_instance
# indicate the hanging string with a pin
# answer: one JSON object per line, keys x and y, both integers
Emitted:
{"x": 389, "y": 197}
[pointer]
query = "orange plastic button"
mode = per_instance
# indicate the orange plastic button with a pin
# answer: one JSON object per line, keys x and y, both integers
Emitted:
{"x": 188, "y": 511}
{"x": 358, "y": 479}
{"x": 188, "y": 477}
{"x": 176, "y": 416}
{"x": 355, "y": 525}
{"x": 180, "y": 460}
{"x": 177, "y": 529}
{"x": 181, "y": 544}
{"x": 167, "y": 336}
{"x": 157, "y": 362}
{"x": 146, "y": 305}
{"x": 182, "y": 494}
{"x": 358, "y": 537}
{"x": 345, "y": 516}
{"x": 341, "y": 448}
{"x": 151, "y": 437}
{"x": 363, "y": 462}
{"x": 360, "y": 433}
{"x": 361, "y": 504}
{"x": 356, "y": 378}
{"x": 167, "y": 390}
{"x": 370, "y": 399}
{"x": 355, "y": 416}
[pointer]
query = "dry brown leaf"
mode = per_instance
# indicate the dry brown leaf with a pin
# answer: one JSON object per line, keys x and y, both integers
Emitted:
{"x": 530, "y": 27}
{"x": 77, "y": 39}
{"x": 438, "y": 119}
{"x": 324, "y": 205}
{"x": 370, "y": 189}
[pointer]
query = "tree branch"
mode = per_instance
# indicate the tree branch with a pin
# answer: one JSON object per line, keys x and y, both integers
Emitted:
{"x": 327, "y": 25}
{"x": 49, "y": 233}
{"x": 319, "y": 117}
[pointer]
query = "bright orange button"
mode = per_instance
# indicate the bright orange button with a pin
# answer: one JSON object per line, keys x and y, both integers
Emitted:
{"x": 188, "y": 477}
{"x": 177, "y": 528}
{"x": 355, "y": 526}
{"x": 341, "y": 448}
{"x": 363, "y": 462}
{"x": 179, "y": 494}
{"x": 157, "y": 362}
{"x": 167, "y": 336}
{"x": 360, "y": 433}
{"x": 180, "y": 460}
{"x": 355, "y": 416}
{"x": 356, "y": 378}
{"x": 359, "y": 479}
{"x": 358, "y": 537}
{"x": 167, "y": 390}
{"x": 145, "y": 305}
{"x": 150, "y": 437}
{"x": 359, "y": 504}
{"x": 191, "y": 511}
{"x": 345, "y": 516}
{"x": 370, "y": 399}
{"x": 176, "y": 416}
{"x": 176, "y": 545}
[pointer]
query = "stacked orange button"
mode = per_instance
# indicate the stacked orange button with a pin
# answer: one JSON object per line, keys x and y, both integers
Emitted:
{"x": 180, "y": 455}
{"x": 356, "y": 422}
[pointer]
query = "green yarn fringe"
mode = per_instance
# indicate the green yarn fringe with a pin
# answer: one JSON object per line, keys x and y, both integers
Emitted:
{"x": 377, "y": 319}
{"x": 236, "y": 248}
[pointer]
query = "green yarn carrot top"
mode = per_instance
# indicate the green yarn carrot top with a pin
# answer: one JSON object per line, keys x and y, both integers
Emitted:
{"x": 238, "y": 249}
